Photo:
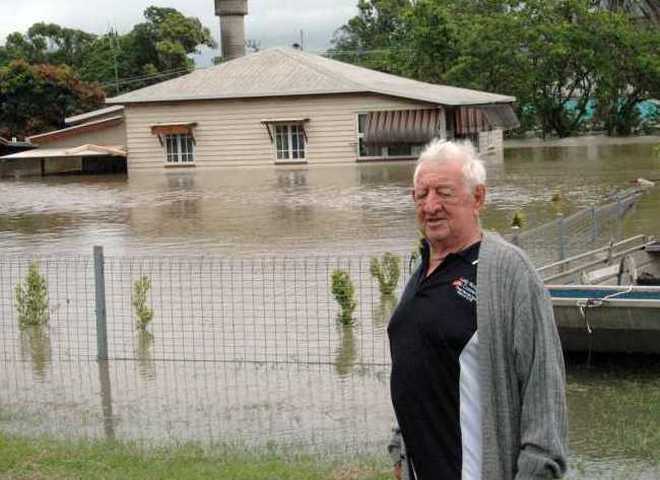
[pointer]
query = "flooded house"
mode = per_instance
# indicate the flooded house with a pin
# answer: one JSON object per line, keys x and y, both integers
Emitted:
{"x": 93, "y": 142}
{"x": 285, "y": 106}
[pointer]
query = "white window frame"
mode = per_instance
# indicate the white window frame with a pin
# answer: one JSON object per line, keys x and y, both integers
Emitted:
{"x": 415, "y": 150}
{"x": 178, "y": 156}
{"x": 285, "y": 135}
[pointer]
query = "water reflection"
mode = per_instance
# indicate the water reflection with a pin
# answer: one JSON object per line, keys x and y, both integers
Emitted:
{"x": 36, "y": 347}
{"x": 383, "y": 312}
{"x": 361, "y": 208}
{"x": 346, "y": 353}
{"x": 106, "y": 399}
{"x": 143, "y": 352}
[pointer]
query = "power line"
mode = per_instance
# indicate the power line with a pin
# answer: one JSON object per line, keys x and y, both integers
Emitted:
{"x": 142, "y": 78}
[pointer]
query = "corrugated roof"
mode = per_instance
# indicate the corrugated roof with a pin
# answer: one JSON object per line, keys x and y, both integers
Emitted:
{"x": 88, "y": 150}
{"x": 89, "y": 126}
{"x": 283, "y": 72}
{"x": 93, "y": 114}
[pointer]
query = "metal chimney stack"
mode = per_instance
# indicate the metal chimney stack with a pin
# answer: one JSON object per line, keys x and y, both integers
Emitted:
{"x": 232, "y": 27}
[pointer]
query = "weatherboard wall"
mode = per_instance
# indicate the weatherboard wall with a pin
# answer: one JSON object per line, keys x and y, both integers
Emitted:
{"x": 231, "y": 133}
{"x": 108, "y": 136}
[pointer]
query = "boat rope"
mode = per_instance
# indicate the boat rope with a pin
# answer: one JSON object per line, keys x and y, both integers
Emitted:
{"x": 584, "y": 305}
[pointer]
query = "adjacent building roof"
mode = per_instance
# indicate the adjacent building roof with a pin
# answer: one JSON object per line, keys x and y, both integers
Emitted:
{"x": 284, "y": 72}
{"x": 77, "y": 129}
{"x": 82, "y": 151}
{"x": 83, "y": 117}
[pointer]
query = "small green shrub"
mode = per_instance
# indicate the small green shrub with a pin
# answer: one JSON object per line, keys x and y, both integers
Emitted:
{"x": 518, "y": 220}
{"x": 143, "y": 312}
{"x": 32, "y": 299}
{"x": 344, "y": 292}
{"x": 387, "y": 272}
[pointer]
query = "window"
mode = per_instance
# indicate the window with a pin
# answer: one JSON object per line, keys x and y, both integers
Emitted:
{"x": 290, "y": 142}
{"x": 179, "y": 148}
{"x": 366, "y": 151}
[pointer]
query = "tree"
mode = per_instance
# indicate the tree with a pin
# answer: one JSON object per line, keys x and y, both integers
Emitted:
{"x": 37, "y": 98}
{"x": 164, "y": 42}
{"x": 48, "y": 43}
{"x": 629, "y": 75}
{"x": 368, "y": 38}
{"x": 153, "y": 50}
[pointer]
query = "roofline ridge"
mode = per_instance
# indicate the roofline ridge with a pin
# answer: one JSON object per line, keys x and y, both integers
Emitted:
{"x": 321, "y": 69}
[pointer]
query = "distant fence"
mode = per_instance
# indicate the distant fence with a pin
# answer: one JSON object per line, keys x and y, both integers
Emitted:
{"x": 583, "y": 230}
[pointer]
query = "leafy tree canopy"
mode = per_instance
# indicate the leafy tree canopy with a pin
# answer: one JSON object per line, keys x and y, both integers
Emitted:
{"x": 52, "y": 72}
{"x": 558, "y": 57}
{"x": 37, "y": 98}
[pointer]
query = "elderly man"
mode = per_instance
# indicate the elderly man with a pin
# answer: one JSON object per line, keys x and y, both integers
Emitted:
{"x": 478, "y": 382}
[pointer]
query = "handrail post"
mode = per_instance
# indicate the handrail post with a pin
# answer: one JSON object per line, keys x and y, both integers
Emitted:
{"x": 101, "y": 321}
{"x": 594, "y": 225}
{"x": 562, "y": 237}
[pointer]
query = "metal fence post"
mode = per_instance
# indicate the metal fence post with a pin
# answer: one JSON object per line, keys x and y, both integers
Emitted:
{"x": 594, "y": 225}
{"x": 619, "y": 223}
{"x": 562, "y": 238}
{"x": 101, "y": 324}
{"x": 515, "y": 235}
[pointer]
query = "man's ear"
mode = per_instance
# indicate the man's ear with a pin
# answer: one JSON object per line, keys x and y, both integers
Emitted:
{"x": 480, "y": 196}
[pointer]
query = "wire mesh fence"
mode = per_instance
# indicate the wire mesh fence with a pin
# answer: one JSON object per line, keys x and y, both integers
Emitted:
{"x": 581, "y": 231}
{"x": 204, "y": 309}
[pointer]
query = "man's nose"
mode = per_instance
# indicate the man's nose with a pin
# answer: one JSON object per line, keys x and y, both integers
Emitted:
{"x": 432, "y": 202}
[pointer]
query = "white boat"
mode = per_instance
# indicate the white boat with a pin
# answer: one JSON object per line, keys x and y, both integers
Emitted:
{"x": 608, "y": 299}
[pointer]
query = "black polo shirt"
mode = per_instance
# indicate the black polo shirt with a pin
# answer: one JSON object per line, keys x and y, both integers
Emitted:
{"x": 429, "y": 331}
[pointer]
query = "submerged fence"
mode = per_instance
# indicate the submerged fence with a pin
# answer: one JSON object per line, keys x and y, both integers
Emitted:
{"x": 204, "y": 309}
{"x": 574, "y": 234}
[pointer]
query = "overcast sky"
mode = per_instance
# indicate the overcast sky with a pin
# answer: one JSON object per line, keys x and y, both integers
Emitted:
{"x": 271, "y": 22}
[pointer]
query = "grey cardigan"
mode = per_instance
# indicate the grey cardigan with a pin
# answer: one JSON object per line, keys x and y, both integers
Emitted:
{"x": 523, "y": 397}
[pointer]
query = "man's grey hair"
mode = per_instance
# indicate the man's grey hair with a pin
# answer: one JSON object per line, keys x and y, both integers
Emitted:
{"x": 442, "y": 151}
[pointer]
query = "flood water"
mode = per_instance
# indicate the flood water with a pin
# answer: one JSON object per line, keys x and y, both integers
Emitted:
{"x": 304, "y": 382}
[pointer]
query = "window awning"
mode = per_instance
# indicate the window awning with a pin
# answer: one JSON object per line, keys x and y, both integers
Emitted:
{"x": 402, "y": 126}
{"x": 501, "y": 116}
{"x": 284, "y": 121}
{"x": 162, "y": 129}
{"x": 484, "y": 117}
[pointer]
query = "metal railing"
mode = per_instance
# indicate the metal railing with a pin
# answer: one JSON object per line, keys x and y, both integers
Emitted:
{"x": 583, "y": 230}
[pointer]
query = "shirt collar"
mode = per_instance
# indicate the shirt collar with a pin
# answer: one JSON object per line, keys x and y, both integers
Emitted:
{"x": 469, "y": 254}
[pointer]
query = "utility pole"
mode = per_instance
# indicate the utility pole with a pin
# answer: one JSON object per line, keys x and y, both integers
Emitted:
{"x": 115, "y": 46}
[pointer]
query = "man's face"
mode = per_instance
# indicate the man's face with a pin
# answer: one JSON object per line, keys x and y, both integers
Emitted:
{"x": 447, "y": 211}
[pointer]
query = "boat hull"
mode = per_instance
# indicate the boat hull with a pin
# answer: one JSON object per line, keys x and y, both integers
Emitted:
{"x": 624, "y": 326}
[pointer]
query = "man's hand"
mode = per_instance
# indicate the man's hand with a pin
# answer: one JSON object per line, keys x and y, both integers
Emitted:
{"x": 397, "y": 471}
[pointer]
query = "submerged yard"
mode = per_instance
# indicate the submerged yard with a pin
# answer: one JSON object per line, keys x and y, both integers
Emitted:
{"x": 245, "y": 348}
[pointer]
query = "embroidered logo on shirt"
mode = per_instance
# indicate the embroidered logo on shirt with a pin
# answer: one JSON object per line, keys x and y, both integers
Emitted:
{"x": 466, "y": 289}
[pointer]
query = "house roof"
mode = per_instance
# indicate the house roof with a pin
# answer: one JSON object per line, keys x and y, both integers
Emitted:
{"x": 93, "y": 114}
{"x": 285, "y": 71}
{"x": 76, "y": 129}
{"x": 88, "y": 150}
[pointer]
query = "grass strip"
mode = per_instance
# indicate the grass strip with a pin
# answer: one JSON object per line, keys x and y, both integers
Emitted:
{"x": 26, "y": 459}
